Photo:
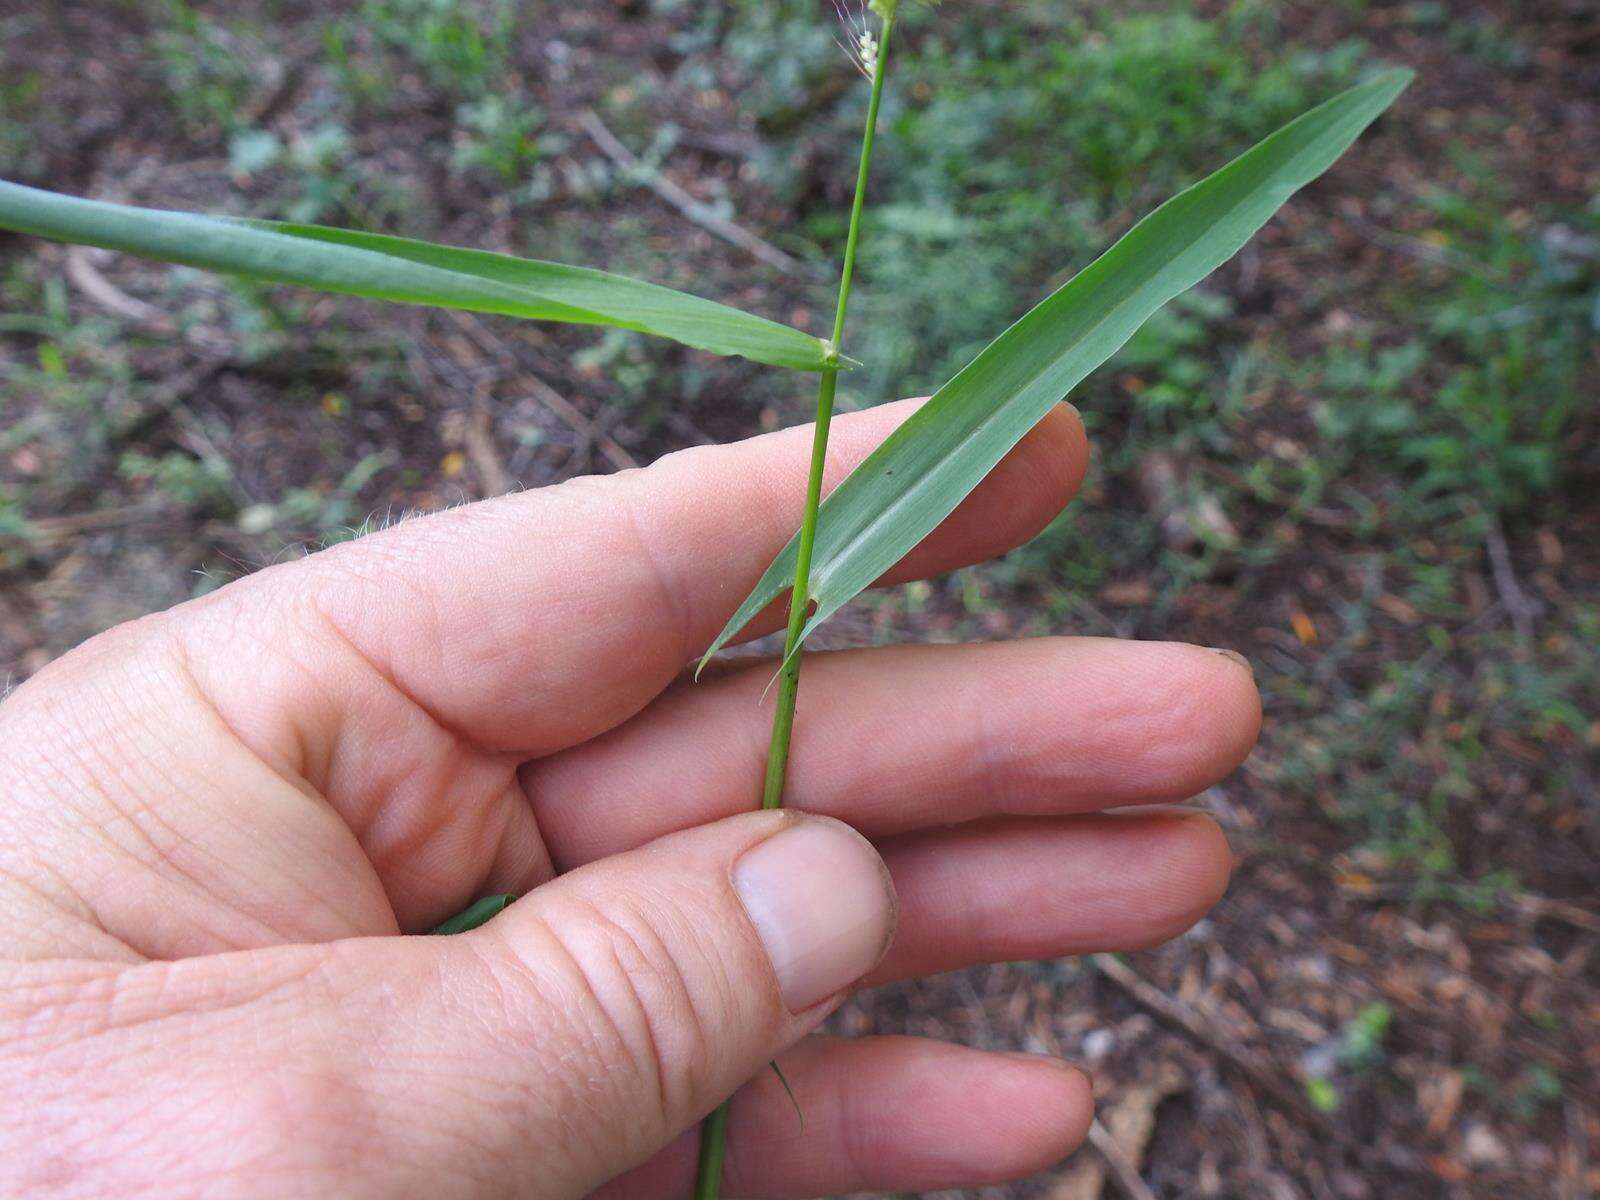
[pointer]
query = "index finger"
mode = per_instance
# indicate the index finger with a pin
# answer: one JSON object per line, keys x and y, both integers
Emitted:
{"x": 531, "y": 622}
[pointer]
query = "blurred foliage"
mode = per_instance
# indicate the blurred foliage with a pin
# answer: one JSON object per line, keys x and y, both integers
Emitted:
{"x": 1476, "y": 407}
{"x": 463, "y": 47}
{"x": 206, "y": 68}
{"x": 1016, "y": 149}
{"x": 21, "y": 90}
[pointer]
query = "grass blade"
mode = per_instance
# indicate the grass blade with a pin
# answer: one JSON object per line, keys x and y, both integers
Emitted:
{"x": 901, "y": 492}
{"x": 409, "y": 272}
{"x": 480, "y": 912}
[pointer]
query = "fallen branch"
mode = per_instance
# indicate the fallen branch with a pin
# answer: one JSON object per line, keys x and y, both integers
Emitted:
{"x": 86, "y": 277}
{"x": 577, "y": 421}
{"x": 562, "y": 408}
{"x": 1519, "y": 606}
{"x": 682, "y": 200}
{"x": 49, "y": 530}
{"x": 1128, "y": 1178}
{"x": 1543, "y": 907}
{"x": 1264, "y": 1076}
{"x": 478, "y": 438}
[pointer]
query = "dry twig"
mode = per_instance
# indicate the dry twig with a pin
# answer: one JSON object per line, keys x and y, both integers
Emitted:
{"x": 575, "y": 419}
{"x": 1522, "y": 609}
{"x": 557, "y": 404}
{"x": 1128, "y": 1178}
{"x": 1543, "y": 907}
{"x": 682, "y": 200}
{"x": 1122, "y": 1135}
{"x": 86, "y": 277}
{"x": 1264, "y": 1075}
{"x": 1160, "y": 1004}
{"x": 51, "y": 530}
{"x": 478, "y": 438}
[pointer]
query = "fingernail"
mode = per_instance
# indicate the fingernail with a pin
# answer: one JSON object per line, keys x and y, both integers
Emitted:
{"x": 821, "y": 900}
{"x": 1048, "y": 1060}
{"x": 1233, "y": 656}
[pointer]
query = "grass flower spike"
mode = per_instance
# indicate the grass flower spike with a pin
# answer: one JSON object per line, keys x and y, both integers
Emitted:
{"x": 860, "y": 44}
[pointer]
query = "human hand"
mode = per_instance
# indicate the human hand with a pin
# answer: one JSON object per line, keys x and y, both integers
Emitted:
{"x": 218, "y": 819}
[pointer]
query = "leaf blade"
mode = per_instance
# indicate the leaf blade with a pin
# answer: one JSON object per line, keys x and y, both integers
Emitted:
{"x": 922, "y": 471}
{"x": 405, "y": 271}
{"x": 479, "y": 912}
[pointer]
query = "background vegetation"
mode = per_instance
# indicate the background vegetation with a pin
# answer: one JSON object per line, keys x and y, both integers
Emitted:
{"x": 1364, "y": 454}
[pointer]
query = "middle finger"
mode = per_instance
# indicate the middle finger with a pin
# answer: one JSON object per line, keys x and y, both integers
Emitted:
{"x": 903, "y": 738}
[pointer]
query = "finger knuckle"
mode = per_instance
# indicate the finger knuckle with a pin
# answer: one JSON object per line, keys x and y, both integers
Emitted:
{"x": 629, "y": 1003}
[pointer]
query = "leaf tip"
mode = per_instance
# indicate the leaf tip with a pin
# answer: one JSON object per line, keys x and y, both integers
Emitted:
{"x": 1393, "y": 81}
{"x": 1402, "y": 77}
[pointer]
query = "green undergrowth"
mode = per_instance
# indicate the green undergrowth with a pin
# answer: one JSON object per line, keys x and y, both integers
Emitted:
{"x": 1014, "y": 146}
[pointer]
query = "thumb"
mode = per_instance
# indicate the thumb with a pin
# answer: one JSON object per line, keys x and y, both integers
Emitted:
{"x": 598, "y": 1018}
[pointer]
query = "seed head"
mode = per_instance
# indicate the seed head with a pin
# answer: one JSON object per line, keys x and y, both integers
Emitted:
{"x": 859, "y": 43}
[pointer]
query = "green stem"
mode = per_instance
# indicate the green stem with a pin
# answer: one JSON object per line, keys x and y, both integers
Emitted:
{"x": 713, "y": 1149}
{"x": 800, "y": 595}
{"x": 714, "y": 1133}
{"x": 799, "y": 602}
